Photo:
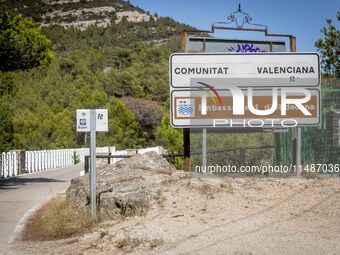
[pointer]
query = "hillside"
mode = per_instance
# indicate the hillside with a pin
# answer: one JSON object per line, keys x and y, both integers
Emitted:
{"x": 105, "y": 51}
{"x": 77, "y": 13}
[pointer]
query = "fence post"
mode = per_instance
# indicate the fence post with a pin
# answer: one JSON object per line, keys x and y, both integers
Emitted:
{"x": 15, "y": 159}
{"x": 68, "y": 157}
{"x": 43, "y": 161}
{"x": 53, "y": 159}
{"x": 28, "y": 161}
{"x": 7, "y": 166}
{"x": 49, "y": 156}
{"x": 40, "y": 159}
{"x": 10, "y": 164}
{"x": 32, "y": 161}
{"x": 36, "y": 161}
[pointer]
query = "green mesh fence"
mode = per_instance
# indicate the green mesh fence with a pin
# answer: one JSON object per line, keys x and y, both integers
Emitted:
{"x": 319, "y": 145}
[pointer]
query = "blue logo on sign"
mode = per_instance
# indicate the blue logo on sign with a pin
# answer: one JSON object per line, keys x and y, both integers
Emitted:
{"x": 185, "y": 109}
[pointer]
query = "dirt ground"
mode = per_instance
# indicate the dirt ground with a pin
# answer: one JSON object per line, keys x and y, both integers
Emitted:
{"x": 218, "y": 216}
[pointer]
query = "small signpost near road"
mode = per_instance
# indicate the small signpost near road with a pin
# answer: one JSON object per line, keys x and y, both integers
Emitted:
{"x": 92, "y": 120}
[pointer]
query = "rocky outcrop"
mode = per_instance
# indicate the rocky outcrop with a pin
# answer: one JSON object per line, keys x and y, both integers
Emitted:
{"x": 123, "y": 189}
{"x": 132, "y": 16}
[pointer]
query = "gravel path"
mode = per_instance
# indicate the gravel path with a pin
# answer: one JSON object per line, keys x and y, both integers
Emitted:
{"x": 219, "y": 216}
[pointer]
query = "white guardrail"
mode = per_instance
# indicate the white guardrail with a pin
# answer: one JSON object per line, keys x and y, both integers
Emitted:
{"x": 14, "y": 163}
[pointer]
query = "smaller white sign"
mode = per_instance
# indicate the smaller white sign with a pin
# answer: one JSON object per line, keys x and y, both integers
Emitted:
{"x": 83, "y": 120}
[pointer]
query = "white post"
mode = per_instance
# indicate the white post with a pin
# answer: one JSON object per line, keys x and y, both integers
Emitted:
{"x": 10, "y": 164}
{"x": 46, "y": 159}
{"x": 28, "y": 161}
{"x": 64, "y": 158}
{"x": 33, "y": 161}
{"x": 40, "y": 159}
{"x": 65, "y": 151}
{"x": 54, "y": 159}
{"x": 61, "y": 158}
{"x": 43, "y": 160}
{"x": 36, "y": 161}
{"x": 58, "y": 158}
{"x": 70, "y": 158}
{"x": 15, "y": 163}
{"x": 49, "y": 159}
{"x": 7, "y": 166}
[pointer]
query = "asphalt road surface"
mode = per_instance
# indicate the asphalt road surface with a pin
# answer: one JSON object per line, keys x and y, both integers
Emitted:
{"x": 19, "y": 195}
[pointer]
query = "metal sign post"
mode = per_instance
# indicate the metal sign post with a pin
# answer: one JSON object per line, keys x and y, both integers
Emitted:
{"x": 93, "y": 163}
{"x": 92, "y": 121}
{"x": 297, "y": 132}
{"x": 204, "y": 147}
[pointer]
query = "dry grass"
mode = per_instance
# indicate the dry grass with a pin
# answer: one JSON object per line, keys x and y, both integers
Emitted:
{"x": 58, "y": 219}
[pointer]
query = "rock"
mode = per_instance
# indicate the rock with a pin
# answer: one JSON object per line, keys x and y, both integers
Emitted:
{"x": 79, "y": 192}
{"x": 123, "y": 189}
{"x": 90, "y": 237}
{"x": 151, "y": 161}
{"x": 179, "y": 175}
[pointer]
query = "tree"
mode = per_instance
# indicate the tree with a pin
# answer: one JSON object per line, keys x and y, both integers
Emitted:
{"x": 123, "y": 127}
{"x": 148, "y": 114}
{"x": 329, "y": 48}
{"x": 22, "y": 44}
{"x": 170, "y": 138}
{"x": 6, "y": 127}
{"x": 167, "y": 136}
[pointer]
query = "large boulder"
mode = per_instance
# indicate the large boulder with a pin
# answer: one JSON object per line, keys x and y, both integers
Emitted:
{"x": 123, "y": 189}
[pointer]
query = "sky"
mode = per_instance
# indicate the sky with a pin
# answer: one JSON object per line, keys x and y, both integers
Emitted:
{"x": 301, "y": 18}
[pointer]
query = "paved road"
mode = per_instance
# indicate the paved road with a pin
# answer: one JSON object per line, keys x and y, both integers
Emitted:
{"x": 20, "y": 194}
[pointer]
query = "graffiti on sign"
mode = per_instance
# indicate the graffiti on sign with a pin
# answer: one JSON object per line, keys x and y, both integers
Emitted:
{"x": 245, "y": 48}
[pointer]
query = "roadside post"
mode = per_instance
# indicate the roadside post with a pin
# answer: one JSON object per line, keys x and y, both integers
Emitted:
{"x": 92, "y": 120}
{"x": 93, "y": 163}
{"x": 297, "y": 132}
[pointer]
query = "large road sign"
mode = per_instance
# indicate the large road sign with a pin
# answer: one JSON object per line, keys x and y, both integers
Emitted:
{"x": 259, "y": 70}
{"x": 265, "y": 90}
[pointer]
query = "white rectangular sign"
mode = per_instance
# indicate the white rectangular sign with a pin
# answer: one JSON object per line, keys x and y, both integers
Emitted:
{"x": 263, "y": 90}
{"x": 247, "y": 70}
{"x": 83, "y": 120}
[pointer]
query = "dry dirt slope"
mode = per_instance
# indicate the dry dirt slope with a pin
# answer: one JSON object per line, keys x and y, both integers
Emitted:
{"x": 192, "y": 215}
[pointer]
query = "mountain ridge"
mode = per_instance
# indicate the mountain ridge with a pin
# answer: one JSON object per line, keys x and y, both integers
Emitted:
{"x": 79, "y": 14}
